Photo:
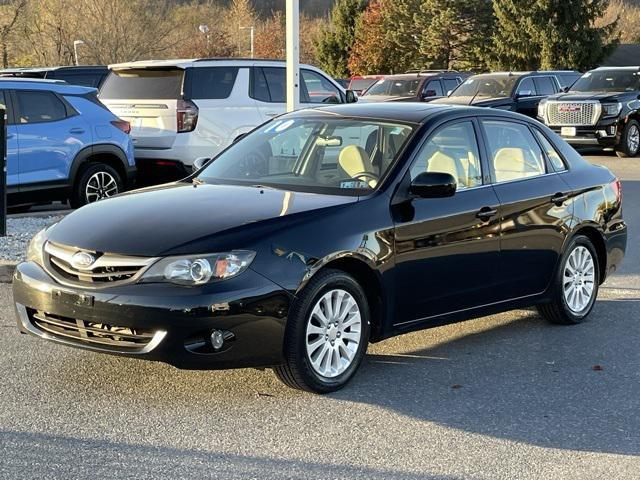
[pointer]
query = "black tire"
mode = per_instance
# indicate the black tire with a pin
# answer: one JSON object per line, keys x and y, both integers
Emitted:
{"x": 79, "y": 197}
{"x": 624, "y": 149}
{"x": 557, "y": 310}
{"x": 297, "y": 372}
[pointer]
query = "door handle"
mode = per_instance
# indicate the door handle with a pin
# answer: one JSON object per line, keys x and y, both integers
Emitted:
{"x": 486, "y": 213}
{"x": 559, "y": 198}
{"x": 77, "y": 130}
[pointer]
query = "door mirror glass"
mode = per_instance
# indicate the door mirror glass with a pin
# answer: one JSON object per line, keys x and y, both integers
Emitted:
{"x": 429, "y": 93}
{"x": 433, "y": 185}
{"x": 352, "y": 96}
{"x": 524, "y": 93}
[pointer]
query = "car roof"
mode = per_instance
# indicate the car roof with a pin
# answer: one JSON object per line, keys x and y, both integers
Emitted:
{"x": 617, "y": 68}
{"x": 59, "y": 86}
{"x": 399, "y": 111}
{"x": 17, "y": 70}
{"x": 200, "y": 62}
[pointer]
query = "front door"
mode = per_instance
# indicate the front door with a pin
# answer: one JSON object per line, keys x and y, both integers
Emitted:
{"x": 534, "y": 206}
{"x": 447, "y": 249}
{"x": 13, "y": 157}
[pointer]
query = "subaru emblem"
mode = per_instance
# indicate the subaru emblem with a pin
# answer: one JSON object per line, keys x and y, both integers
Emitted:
{"x": 82, "y": 260}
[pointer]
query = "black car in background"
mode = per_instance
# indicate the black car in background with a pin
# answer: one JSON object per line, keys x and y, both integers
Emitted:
{"x": 85, "y": 75}
{"x": 601, "y": 109}
{"x": 414, "y": 86}
{"x": 515, "y": 91}
{"x": 304, "y": 241}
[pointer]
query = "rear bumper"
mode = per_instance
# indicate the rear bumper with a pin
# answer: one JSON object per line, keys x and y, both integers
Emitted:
{"x": 177, "y": 320}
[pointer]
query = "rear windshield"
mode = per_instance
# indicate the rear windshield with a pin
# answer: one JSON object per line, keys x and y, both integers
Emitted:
{"x": 608, "y": 81}
{"x": 143, "y": 84}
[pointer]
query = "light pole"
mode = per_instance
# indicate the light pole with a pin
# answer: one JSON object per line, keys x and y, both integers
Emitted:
{"x": 204, "y": 29}
{"x": 76, "y": 44}
{"x": 293, "y": 54}
{"x": 251, "y": 29}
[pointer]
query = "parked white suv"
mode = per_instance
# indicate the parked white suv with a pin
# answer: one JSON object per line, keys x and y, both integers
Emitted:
{"x": 181, "y": 110}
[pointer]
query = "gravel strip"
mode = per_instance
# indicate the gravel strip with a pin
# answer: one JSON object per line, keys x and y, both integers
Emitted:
{"x": 19, "y": 232}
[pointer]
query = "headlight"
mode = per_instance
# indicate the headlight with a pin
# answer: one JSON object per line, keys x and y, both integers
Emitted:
{"x": 36, "y": 247}
{"x": 199, "y": 269}
{"x": 542, "y": 109}
{"x": 611, "y": 109}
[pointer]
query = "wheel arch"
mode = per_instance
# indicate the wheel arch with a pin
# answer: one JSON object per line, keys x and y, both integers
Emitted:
{"x": 363, "y": 271}
{"x": 111, "y": 155}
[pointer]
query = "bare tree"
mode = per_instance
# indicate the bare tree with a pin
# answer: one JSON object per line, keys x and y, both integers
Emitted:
{"x": 10, "y": 11}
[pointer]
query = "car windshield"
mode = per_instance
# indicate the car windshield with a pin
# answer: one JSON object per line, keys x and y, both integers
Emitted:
{"x": 318, "y": 155}
{"x": 394, "y": 87}
{"x": 608, "y": 81}
{"x": 492, "y": 86}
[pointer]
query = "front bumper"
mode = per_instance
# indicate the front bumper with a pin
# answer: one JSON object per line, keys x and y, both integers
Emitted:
{"x": 176, "y": 322}
{"x": 604, "y": 134}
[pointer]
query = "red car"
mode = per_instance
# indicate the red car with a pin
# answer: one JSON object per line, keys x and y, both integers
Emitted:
{"x": 359, "y": 83}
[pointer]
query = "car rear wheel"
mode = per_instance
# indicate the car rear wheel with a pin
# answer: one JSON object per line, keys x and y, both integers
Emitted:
{"x": 575, "y": 285}
{"x": 630, "y": 140}
{"x": 327, "y": 334}
{"x": 97, "y": 182}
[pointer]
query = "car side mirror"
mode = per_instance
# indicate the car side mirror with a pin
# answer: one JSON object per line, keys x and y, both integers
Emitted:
{"x": 352, "y": 96}
{"x": 433, "y": 185}
{"x": 198, "y": 163}
{"x": 565, "y": 89}
{"x": 449, "y": 92}
{"x": 429, "y": 93}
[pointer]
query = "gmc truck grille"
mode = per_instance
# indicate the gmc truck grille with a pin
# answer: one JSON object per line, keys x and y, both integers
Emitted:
{"x": 573, "y": 114}
{"x": 98, "y": 269}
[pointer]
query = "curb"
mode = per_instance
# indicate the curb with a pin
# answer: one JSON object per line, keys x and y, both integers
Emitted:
{"x": 7, "y": 268}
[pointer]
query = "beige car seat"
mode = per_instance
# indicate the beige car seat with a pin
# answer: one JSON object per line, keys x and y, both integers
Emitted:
{"x": 440, "y": 162}
{"x": 510, "y": 164}
{"x": 353, "y": 159}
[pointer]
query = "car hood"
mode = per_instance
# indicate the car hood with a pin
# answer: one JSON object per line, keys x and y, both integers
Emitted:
{"x": 581, "y": 96}
{"x": 176, "y": 217}
{"x": 477, "y": 101}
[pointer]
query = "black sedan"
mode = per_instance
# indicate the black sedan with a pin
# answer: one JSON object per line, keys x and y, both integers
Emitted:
{"x": 324, "y": 230}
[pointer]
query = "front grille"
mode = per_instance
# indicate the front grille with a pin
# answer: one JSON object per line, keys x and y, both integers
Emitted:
{"x": 107, "y": 269}
{"x": 109, "y": 337}
{"x": 573, "y": 114}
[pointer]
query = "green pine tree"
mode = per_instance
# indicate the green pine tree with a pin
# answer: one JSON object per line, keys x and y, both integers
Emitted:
{"x": 334, "y": 44}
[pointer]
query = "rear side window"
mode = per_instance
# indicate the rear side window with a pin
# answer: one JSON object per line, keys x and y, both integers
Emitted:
{"x": 143, "y": 84}
{"x": 515, "y": 154}
{"x": 545, "y": 85}
{"x": 211, "y": 82}
{"x": 553, "y": 156}
{"x": 38, "y": 107}
{"x": 276, "y": 82}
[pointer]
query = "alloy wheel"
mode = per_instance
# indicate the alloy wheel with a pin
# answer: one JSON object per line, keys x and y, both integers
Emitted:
{"x": 633, "y": 139}
{"x": 579, "y": 280}
{"x": 100, "y": 185}
{"x": 334, "y": 333}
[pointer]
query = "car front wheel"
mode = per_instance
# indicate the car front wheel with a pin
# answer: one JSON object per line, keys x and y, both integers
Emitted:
{"x": 327, "y": 334}
{"x": 629, "y": 140}
{"x": 97, "y": 182}
{"x": 575, "y": 286}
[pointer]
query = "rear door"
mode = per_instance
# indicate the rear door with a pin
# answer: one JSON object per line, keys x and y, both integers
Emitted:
{"x": 50, "y": 134}
{"x": 268, "y": 89}
{"x": 148, "y": 99}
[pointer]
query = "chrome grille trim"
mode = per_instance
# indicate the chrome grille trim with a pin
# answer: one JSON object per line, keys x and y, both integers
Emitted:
{"x": 588, "y": 114}
{"x": 107, "y": 270}
{"x": 43, "y": 326}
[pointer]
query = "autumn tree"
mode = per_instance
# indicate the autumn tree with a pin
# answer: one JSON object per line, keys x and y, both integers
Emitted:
{"x": 239, "y": 17}
{"x": 370, "y": 52}
{"x": 10, "y": 12}
{"x": 333, "y": 46}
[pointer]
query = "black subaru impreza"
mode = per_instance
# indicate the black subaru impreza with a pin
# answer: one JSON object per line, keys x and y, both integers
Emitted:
{"x": 324, "y": 230}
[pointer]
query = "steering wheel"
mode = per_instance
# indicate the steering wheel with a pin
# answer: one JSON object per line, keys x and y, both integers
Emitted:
{"x": 366, "y": 175}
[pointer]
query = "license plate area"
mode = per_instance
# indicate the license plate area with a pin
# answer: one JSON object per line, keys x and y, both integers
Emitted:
{"x": 568, "y": 131}
{"x": 72, "y": 298}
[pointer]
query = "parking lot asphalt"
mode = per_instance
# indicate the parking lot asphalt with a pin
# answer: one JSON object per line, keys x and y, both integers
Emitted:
{"x": 500, "y": 397}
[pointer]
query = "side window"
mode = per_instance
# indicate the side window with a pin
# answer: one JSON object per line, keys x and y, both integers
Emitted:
{"x": 319, "y": 89}
{"x": 515, "y": 154}
{"x": 552, "y": 154}
{"x": 527, "y": 87}
{"x": 212, "y": 82}
{"x": 39, "y": 106}
{"x": 276, "y": 82}
{"x": 433, "y": 86}
{"x": 545, "y": 85}
{"x": 454, "y": 150}
{"x": 259, "y": 88}
{"x": 450, "y": 84}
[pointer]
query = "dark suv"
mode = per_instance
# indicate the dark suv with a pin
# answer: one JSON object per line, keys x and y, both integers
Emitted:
{"x": 600, "y": 109}
{"x": 84, "y": 75}
{"x": 516, "y": 91}
{"x": 414, "y": 86}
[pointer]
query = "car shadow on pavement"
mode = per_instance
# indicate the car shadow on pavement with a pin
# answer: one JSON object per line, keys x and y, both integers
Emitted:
{"x": 36, "y": 455}
{"x": 566, "y": 387}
